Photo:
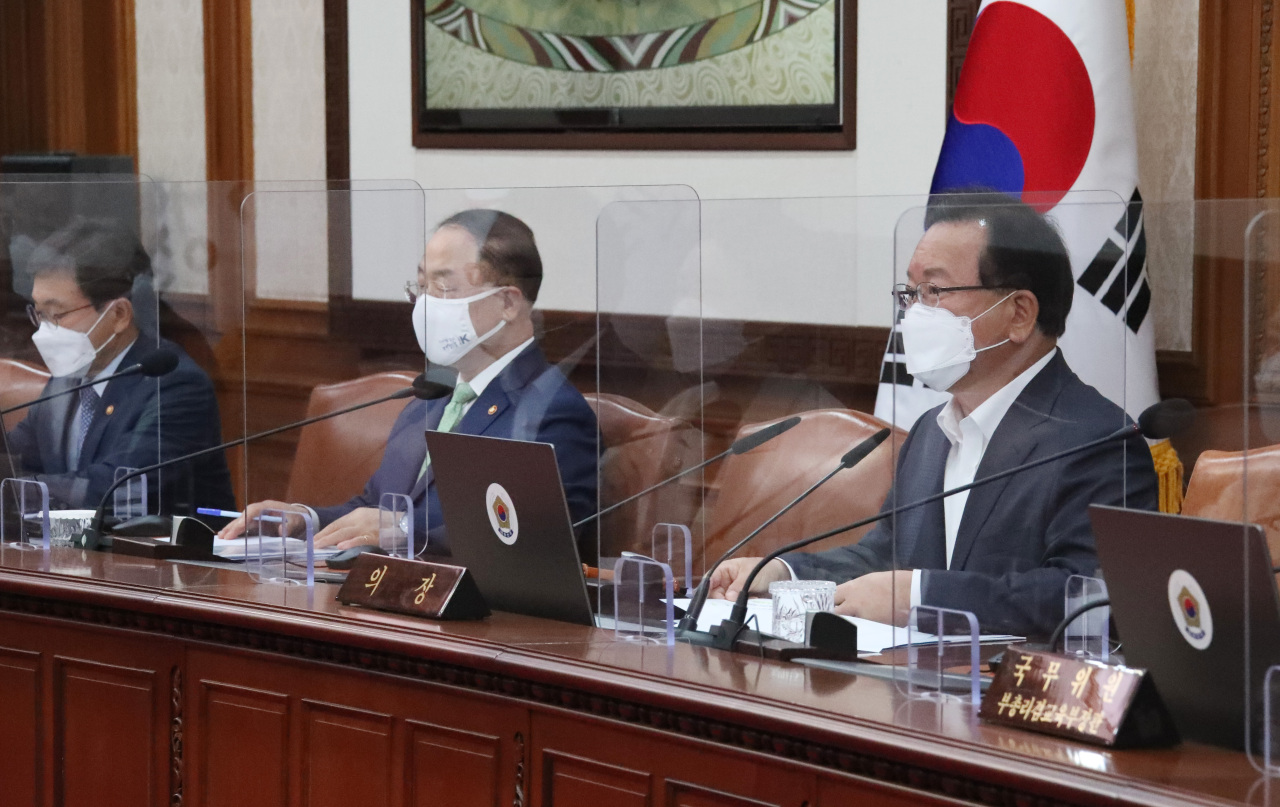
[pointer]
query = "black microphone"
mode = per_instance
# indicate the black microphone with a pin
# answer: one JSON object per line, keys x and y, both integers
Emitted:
{"x": 740, "y": 446}
{"x": 159, "y": 362}
{"x": 851, "y": 458}
{"x": 421, "y": 388}
{"x": 1157, "y": 422}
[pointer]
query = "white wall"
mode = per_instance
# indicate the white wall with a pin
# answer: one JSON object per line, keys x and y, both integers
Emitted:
{"x": 900, "y": 119}
{"x": 171, "y": 139}
{"x": 291, "y": 256}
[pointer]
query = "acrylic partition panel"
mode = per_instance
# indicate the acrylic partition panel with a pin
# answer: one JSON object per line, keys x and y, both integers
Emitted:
{"x": 532, "y": 312}
{"x": 79, "y": 302}
{"x": 1236, "y": 481}
{"x": 299, "y": 241}
{"x": 792, "y": 331}
{"x": 647, "y": 357}
{"x": 1015, "y": 324}
{"x": 491, "y": 287}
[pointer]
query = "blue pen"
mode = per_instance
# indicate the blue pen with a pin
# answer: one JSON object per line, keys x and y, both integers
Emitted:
{"x": 211, "y": 511}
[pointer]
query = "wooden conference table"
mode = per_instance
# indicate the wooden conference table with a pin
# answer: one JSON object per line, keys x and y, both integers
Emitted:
{"x": 126, "y": 681}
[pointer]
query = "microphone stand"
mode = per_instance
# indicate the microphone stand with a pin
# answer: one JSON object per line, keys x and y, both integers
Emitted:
{"x": 93, "y": 537}
{"x": 731, "y": 631}
{"x": 751, "y": 441}
{"x": 852, "y": 458}
{"x": 140, "y": 367}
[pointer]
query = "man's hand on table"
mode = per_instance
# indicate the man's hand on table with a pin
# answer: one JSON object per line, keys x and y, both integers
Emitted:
{"x": 294, "y": 520}
{"x": 879, "y": 596}
{"x": 729, "y": 578}
{"x": 357, "y": 528}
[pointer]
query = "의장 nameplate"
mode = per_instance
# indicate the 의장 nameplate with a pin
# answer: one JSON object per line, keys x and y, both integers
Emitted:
{"x": 414, "y": 587}
{"x": 1077, "y": 698}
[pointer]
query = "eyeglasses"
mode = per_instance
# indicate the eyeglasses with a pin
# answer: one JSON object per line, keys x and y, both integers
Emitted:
{"x": 930, "y": 294}
{"x": 413, "y": 290}
{"x": 53, "y": 319}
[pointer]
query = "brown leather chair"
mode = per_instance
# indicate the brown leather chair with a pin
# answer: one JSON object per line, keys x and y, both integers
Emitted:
{"x": 336, "y": 457}
{"x": 642, "y": 448}
{"x": 1217, "y": 490}
{"x": 751, "y": 487}
{"x": 19, "y": 381}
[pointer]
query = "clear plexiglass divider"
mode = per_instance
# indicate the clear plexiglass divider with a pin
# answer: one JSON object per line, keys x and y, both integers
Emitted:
{"x": 1213, "y": 609}
{"x": 1013, "y": 328}
{"x": 791, "y": 342}
{"x": 342, "y": 359}
{"x": 79, "y": 302}
{"x": 647, "y": 357}
{"x": 489, "y": 296}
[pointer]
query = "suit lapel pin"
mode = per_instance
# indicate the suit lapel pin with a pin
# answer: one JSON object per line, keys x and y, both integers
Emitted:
{"x": 493, "y": 409}
{"x": 111, "y": 409}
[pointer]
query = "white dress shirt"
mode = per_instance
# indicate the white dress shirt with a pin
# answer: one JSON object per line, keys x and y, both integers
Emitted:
{"x": 969, "y": 438}
{"x": 486, "y": 376}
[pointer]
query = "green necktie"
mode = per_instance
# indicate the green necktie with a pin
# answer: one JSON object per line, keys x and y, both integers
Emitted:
{"x": 462, "y": 395}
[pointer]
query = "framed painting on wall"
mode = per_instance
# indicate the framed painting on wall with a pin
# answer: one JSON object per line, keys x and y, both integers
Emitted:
{"x": 634, "y": 74}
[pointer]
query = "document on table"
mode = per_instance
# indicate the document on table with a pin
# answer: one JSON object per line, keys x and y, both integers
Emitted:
{"x": 272, "y": 548}
{"x": 873, "y": 637}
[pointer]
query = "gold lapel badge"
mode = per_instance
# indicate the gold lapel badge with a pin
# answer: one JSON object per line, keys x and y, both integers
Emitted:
{"x": 111, "y": 409}
{"x": 493, "y": 409}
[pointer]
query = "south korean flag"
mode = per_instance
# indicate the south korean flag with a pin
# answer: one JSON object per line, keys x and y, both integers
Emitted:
{"x": 1043, "y": 111}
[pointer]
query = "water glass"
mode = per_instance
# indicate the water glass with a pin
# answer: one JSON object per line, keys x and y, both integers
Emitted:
{"x": 792, "y": 599}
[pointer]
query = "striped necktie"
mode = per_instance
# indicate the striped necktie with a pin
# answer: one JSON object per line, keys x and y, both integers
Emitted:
{"x": 88, "y": 405}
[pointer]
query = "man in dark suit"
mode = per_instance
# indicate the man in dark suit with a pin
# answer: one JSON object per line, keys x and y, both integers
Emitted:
{"x": 85, "y": 306}
{"x": 989, "y": 290}
{"x": 473, "y": 302}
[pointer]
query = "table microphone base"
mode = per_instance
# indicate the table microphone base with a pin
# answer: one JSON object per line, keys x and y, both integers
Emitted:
{"x": 731, "y": 636}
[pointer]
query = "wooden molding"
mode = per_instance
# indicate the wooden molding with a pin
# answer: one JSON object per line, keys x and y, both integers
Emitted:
{"x": 517, "y": 676}
{"x": 843, "y": 138}
{"x": 228, "y": 85}
{"x": 337, "y": 104}
{"x": 22, "y": 77}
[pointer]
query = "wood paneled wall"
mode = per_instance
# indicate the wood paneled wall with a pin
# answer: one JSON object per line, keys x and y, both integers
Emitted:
{"x": 68, "y": 77}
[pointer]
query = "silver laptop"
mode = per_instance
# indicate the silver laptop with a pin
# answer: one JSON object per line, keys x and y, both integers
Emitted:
{"x": 508, "y": 523}
{"x": 1195, "y": 604}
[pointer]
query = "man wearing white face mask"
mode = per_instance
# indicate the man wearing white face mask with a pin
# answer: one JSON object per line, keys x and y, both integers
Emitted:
{"x": 988, "y": 293}
{"x": 473, "y": 310}
{"x": 84, "y": 280}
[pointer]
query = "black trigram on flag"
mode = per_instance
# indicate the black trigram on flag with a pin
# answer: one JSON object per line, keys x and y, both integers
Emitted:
{"x": 1112, "y": 281}
{"x": 895, "y": 358}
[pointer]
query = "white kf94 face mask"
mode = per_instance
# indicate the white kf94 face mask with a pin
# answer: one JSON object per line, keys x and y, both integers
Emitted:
{"x": 939, "y": 344}
{"x": 67, "y": 352}
{"x": 444, "y": 327}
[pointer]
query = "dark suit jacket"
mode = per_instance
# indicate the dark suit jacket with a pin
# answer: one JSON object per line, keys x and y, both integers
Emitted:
{"x": 1020, "y": 537}
{"x": 531, "y": 400}
{"x": 150, "y": 420}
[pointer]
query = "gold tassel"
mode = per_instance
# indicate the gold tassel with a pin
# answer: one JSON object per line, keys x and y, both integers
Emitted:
{"x": 1169, "y": 471}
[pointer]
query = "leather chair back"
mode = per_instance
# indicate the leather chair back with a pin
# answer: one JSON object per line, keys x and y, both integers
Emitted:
{"x": 751, "y": 487}
{"x": 336, "y": 457}
{"x": 19, "y": 381}
{"x": 1217, "y": 490}
{"x": 642, "y": 448}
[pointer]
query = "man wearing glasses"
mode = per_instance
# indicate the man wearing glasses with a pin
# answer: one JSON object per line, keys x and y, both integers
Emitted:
{"x": 988, "y": 293}
{"x": 90, "y": 290}
{"x": 473, "y": 310}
